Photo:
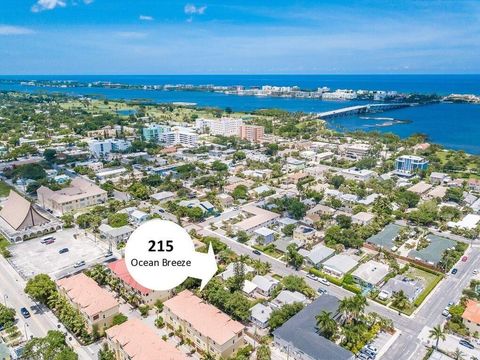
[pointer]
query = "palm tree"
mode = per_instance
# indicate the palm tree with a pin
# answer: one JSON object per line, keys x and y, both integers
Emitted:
{"x": 358, "y": 304}
{"x": 258, "y": 266}
{"x": 345, "y": 309}
{"x": 458, "y": 354}
{"x": 326, "y": 324}
{"x": 437, "y": 334}
{"x": 400, "y": 300}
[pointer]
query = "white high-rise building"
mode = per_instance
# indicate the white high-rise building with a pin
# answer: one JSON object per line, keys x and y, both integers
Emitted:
{"x": 224, "y": 126}
{"x": 179, "y": 136}
{"x": 100, "y": 148}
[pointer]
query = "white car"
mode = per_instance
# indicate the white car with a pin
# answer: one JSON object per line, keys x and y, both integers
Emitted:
{"x": 312, "y": 277}
{"x": 475, "y": 272}
{"x": 372, "y": 349}
{"x": 324, "y": 281}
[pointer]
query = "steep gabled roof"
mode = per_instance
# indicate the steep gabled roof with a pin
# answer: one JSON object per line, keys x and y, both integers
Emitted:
{"x": 19, "y": 213}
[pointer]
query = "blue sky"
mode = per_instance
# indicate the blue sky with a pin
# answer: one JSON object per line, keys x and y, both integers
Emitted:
{"x": 239, "y": 37}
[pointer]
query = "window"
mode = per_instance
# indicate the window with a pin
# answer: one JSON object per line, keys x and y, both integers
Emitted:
{"x": 95, "y": 317}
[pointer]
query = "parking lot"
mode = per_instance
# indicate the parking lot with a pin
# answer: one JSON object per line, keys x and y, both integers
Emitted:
{"x": 32, "y": 257}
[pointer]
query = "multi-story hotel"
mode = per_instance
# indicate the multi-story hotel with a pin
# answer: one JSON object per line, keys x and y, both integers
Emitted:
{"x": 154, "y": 132}
{"x": 251, "y": 133}
{"x": 135, "y": 340}
{"x": 224, "y": 126}
{"x": 408, "y": 165}
{"x": 101, "y": 148}
{"x": 210, "y": 330}
{"x": 80, "y": 194}
{"x": 97, "y": 305}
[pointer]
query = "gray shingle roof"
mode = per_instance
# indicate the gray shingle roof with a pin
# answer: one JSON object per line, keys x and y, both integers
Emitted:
{"x": 300, "y": 332}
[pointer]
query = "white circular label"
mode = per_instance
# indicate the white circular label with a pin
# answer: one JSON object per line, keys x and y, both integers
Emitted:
{"x": 160, "y": 255}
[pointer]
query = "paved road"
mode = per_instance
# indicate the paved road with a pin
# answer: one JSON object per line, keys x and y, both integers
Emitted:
{"x": 408, "y": 345}
{"x": 42, "y": 320}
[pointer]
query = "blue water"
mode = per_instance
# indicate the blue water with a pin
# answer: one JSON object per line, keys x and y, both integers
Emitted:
{"x": 455, "y": 126}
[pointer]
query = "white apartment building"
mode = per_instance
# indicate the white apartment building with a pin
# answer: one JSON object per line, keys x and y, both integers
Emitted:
{"x": 224, "y": 126}
{"x": 101, "y": 148}
{"x": 340, "y": 95}
{"x": 179, "y": 136}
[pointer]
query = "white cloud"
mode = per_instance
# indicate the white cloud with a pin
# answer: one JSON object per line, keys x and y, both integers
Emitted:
{"x": 14, "y": 30}
{"x": 191, "y": 9}
{"x": 131, "y": 34}
{"x": 146, "y": 18}
{"x": 41, "y": 5}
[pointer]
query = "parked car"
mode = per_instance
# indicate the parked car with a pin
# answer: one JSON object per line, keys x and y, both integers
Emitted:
{"x": 363, "y": 356}
{"x": 372, "y": 349}
{"x": 257, "y": 252}
{"x": 312, "y": 277}
{"x": 454, "y": 271}
{"x": 324, "y": 281}
{"x": 79, "y": 264}
{"x": 466, "y": 344}
{"x": 63, "y": 251}
{"x": 370, "y": 354}
{"x": 475, "y": 272}
{"x": 108, "y": 254}
{"x": 445, "y": 312}
{"x": 25, "y": 313}
{"x": 47, "y": 240}
{"x": 465, "y": 258}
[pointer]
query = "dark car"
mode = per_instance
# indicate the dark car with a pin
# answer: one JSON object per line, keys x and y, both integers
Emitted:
{"x": 256, "y": 252}
{"x": 63, "y": 251}
{"x": 25, "y": 313}
{"x": 454, "y": 271}
{"x": 466, "y": 344}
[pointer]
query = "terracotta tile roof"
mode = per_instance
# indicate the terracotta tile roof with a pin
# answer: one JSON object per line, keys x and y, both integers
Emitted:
{"x": 472, "y": 312}
{"x": 205, "y": 318}
{"x": 119, "y": 268}
{"x": 86, "y": 293}
{"x": 141, "y": 343}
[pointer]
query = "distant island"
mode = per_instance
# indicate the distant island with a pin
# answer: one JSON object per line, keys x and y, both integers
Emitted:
{"x": 320, "y": 93}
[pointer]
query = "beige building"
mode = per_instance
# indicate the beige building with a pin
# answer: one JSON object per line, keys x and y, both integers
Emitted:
{"x": 135, "y": 340}
{"x": 146, "y": 296}
{"x": 96, "y": 304}
{"x": 210, "y": 330}
{"x": 80, "y": 194}
{"x": 251, "y": 133}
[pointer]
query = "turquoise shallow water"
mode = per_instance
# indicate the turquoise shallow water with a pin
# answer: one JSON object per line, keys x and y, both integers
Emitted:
{"x": 455, "y": 126}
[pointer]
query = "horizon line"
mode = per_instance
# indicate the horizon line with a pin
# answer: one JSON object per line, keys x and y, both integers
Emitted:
{"x": 259, "y": 74}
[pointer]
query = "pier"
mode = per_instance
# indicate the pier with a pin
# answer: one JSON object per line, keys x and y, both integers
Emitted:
{"x": 361, "y": 109}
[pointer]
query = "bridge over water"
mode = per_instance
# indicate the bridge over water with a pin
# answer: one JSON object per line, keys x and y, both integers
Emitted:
{"x": 361, "y": 109}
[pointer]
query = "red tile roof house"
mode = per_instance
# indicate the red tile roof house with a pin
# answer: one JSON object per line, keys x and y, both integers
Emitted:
{"x": 471, "y": 316}
{"x": 96, "y": 304}
{"x": 135, "y": 340}
{"x": 209, "y": 329}
{"x": 146, "y": 296}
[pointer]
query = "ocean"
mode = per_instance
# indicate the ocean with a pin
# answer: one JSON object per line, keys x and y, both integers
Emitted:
{"x": 455, "y": 126}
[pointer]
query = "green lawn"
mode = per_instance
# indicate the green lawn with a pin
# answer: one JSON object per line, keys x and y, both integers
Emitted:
{"x": 4, "y": 189}
{"x": 429, "y": 279}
